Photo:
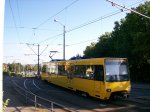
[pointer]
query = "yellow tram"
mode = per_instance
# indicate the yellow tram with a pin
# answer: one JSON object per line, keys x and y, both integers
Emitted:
{"x": 102, "y": 78}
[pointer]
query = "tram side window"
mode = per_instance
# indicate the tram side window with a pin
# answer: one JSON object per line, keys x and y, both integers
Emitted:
{"x": 89, "y": 72}
{"x": 61, "y": 70}
{"x": 48, "y": 69}
{"x": 84, "y": 71}
{"x": 79, "y": 71}
{"x": 54, "y": 69}
{"x": 99, "y": 73}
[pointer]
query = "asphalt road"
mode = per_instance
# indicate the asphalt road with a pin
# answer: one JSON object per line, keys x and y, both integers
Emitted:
{"x": 66, "y": 98}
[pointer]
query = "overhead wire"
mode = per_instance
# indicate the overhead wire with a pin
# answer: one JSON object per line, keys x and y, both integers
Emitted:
{"x": 19, "y": 17}
{"x": 18, "y": 12}
{"x": 76, "y": 44}
{"x": 75, "y": 28}
{"x": 37, "y": 27}
{"x": 82, "y": 42}
{"x": 101, "y": 18}
{"x": 31, "y": 48}
{"x": 95, "y": 20}
{"x": 123, "y": 7}
{"x": 30, "y": 28}
{"x": 51, "y": 38}
{"x": 43, "y": 50}
{"x": 80, "y": 26}
{"x": 15, "y": 24}
{"x": 57, "y": 13}
{"x": 14, "y": 21}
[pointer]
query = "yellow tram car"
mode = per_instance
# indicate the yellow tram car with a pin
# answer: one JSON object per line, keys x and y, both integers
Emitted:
{"x": 102, "y": 78}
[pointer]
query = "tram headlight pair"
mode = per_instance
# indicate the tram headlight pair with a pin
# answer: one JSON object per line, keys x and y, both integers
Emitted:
{"x": 108, "y": 90}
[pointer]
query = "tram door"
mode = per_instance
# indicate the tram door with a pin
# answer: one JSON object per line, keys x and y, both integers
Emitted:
{"x": 69, "y": 70}
{"x": 98, "y": 79}
{"x": 70, "y": 81}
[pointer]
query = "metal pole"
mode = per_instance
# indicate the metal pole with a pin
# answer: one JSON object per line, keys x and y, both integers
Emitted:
{"x": 26, "y": 97}
{"x": 63, "y": 38}
{"x": 52, "y": 106}
{"x": 38, "y": 62}
{"x": 6, "y": 64}
{"x": 19, "y": 67}
{"x": 64, "y": 43}
{"x": 35, "y": 102}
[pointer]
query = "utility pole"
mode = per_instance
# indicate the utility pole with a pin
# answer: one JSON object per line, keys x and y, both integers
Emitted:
{"x": 38, "y": 54}
{"x": 64, "y": 31}
{"x": 38, "y": 61}
{"x": 64, "y": 42}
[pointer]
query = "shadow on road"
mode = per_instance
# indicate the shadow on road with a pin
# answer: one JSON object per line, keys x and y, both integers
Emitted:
{"x": 69, "y": 98}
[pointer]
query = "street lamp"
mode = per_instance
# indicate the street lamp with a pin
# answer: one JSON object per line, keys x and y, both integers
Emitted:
{"x": 63, "y": 37}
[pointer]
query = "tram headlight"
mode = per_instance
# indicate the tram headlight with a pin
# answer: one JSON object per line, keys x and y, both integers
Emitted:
{"x": 108, "y": 90}
{"x": 129, "y": 88}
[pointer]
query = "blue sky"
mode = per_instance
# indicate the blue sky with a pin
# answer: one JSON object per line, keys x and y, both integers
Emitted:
{"x": 25, "y": 23}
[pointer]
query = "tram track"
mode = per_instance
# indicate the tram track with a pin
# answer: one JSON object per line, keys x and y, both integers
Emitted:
{"x": 48, "y": 94}
{"x": 82, "y": 104}
{"x": 32, "y": 83}
{"x": 20, "y": 87}
{"x": 122, "y": 104}
{"x": 77, "y": 103}
{"x": 117, "y": 105}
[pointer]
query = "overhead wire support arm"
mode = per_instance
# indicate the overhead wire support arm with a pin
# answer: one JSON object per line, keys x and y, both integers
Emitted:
{"x": 38, "y": 54}
{"x": 31, "y": 48}
{"x": 43, "y": 50}
{"x": 29, "y": 54}
{"x": 115, "y": 4}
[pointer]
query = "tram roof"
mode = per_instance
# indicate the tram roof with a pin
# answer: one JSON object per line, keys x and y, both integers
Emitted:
{"x": 88, "y": 60}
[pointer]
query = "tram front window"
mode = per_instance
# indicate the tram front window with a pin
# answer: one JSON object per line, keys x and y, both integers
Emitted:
{"x": 116, "y": 71}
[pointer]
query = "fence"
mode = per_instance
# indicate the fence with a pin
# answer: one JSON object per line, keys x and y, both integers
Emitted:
{"x": 39, "y": 102}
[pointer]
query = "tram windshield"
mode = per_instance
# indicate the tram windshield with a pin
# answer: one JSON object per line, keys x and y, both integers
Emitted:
{"x": 116, "y": 70}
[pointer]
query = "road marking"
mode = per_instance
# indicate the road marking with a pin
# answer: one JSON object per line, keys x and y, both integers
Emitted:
{"x": 25, "y": 84}
{"x": 35, "y": 85}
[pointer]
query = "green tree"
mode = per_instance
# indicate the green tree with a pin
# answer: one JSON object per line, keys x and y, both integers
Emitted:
{"x": 130, "y": 38}
{"x": 28, "y": 67}
{"x": 35, "y": 67}
{"x": 89, "y": 51}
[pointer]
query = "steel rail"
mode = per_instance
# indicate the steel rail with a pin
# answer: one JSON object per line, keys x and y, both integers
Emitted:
{"x": 35, "y": 85}
{"x": 51, "y": 102}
